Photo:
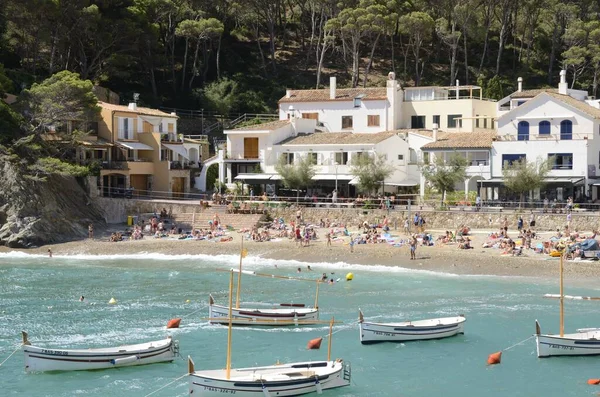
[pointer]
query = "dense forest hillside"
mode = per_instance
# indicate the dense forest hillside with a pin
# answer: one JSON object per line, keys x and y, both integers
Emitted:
{"x": 239, "y": 55}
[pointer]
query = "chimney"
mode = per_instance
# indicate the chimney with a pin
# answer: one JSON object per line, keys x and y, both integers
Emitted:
{"x": 332, "y": 87}
{"x": 392, "y": 96}
{"x": 132, "y": 106}
{"x": 520, "y": 84}
{"x": 563, "y": 87}
{"x": 288, "y": 93}
{"x": 457, "y": 90}
{"x": 435, "y": 131}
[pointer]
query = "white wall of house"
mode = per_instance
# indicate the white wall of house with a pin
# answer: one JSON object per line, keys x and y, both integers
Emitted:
{"x": 331, "y": 113}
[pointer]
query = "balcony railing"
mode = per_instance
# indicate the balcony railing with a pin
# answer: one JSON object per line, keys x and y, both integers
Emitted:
{"x": 542, "y": 137}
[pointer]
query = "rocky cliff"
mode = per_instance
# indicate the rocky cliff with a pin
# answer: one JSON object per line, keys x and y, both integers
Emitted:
{"x": 34, "y": 213}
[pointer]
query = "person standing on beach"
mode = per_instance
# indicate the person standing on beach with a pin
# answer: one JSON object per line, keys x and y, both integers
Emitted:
{"x": 505, "y": 225}
{"x": 520, "y": 223}
{"x": 49, "y": 253}
{"x": 328, "y": 239}
{"x": 532, "y": 220}
{"x": 91, "y": 231}
{"x": 413, "y": 247}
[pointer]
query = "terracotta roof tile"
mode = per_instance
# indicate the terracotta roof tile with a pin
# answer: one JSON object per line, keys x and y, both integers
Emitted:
{"x": 577, "y": 104}
{"x": 341, "y": 94}
{"x": 462, "y": 140}
{"x": 268, "y": 126}
{"x": 139, "y": 110}
{"x": 338, "y": 138}
{"x": 532, "y": 93}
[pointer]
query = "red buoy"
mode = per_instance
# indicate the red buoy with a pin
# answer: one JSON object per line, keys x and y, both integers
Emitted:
{"x": 173, "y": 323}
{"x": 494, "y": 358}
{"x": 314, "y": 343}
{"x": 593, "y": 381}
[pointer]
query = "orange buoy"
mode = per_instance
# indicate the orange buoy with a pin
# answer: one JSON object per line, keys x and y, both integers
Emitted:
{"x": 593, "y": 381}
{"x": 494, "y": 358}
{"x": 314, "y": 343}
{"x": 173, "y": 323}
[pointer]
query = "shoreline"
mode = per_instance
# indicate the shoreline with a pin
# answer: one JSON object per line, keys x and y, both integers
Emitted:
{"x": 437, "y": 259}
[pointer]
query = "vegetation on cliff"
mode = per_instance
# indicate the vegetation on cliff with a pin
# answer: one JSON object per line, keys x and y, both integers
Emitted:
{"x": 171, "y": 51}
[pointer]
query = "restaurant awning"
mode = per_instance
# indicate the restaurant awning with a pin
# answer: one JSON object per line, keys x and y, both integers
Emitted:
{"x": 406, "y": 182}
{"x": 134, "y": 145}
{"x": 573, "y": 180}
{"x": 330, "y": 177}
{"x": 179, "y": 149}
{"x": 253, "y": 177}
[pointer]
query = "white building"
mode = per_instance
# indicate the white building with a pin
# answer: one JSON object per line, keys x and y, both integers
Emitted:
{"x": 543, "y": 124}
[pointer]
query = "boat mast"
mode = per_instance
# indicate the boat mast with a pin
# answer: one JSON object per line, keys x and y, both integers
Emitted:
{"x": 228, "y": 365}
{"x": 329, "y": 341}
{"x": 317, "y": 295}
{"x": 562, "y": 298}
{"x": 239, "y": 281}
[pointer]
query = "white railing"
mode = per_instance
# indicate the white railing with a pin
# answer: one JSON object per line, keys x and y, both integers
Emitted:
{"x": 543, "y": 137}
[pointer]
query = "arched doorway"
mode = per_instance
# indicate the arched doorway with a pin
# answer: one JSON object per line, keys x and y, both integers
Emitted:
{"x": 523, "y": 131}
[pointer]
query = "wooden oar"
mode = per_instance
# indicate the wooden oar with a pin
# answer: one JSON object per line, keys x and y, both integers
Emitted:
{"x": 587, "y": 298}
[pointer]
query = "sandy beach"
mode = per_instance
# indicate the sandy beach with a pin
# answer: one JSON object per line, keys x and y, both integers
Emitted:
{"x": 438, "y": 258}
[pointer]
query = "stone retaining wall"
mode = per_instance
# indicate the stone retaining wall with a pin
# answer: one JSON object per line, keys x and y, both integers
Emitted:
{"x": 451, "y": 220}
{"x": 116, "y": 210}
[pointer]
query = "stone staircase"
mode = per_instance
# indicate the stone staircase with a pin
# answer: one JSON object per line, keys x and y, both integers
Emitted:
{"x": 200, "y": 218}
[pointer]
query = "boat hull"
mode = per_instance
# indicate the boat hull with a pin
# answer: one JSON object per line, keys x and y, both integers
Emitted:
{"x": 292, "y": 379}
{"x": 47, "y": 359}
{"x": 411, "y": 331}
{"x": 289, "y": 316}
{"x": 579, "y": 344}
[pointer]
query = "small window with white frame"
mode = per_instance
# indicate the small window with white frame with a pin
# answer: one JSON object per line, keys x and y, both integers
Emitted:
{"x": 314, "y": 157}
{"x": 346, "y": 122}
{"x": 341, "y": 158}
{"x": 288, "y": 158}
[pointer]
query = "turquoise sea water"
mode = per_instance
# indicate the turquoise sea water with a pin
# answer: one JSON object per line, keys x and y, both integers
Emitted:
{"x": 40, "y": 295}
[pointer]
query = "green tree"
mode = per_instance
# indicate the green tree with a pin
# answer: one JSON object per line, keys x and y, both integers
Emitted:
{"x": 418, "y": 26}
{"x": 522, "y": 176}
{"x": 298, "y": 174}
{"x": 221, "y": 95}
{"x": 371, "y": 171}
{"x": 444, "y": 175}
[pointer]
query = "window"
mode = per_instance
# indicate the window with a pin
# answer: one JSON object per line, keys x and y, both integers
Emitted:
{"x": 436, "y": 119}
{"x": 346, "y": 122}
{"x": 417, "y": 122}
{"x": 426, "y": 157}
{"x": 484, "y": 123}
{"x": 523, "y": 131}
{"x": 314, "y": 157}
{"x": 519, "y": 103}
{"x": 476, "y": 121}
{"x": 170, "y": 127}
{"x": 341, "y": 158}
{"x": 288, "y": 158}
{"x": 358, "y": 101}
{"x": 509, "y": 159}
{"x": 373, "y": 120}
{"x": 478, "y": 158}
{"x": 310, "y": 116}
{"x": 401, "y": 157}
{"x": 544, "y": 128}
{"x": 492, "y": 123}
{"x": 160, "y": 127}
{"x": 562, "y": 161}
{"x": 566, "y": 129}
{"x": 454, "y": 120}
{"x": 413, "y": 156}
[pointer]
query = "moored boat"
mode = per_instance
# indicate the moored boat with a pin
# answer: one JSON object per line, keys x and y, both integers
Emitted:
{"x": 41, "y": 359}
{"x": 585, "y": 342}
{"x": 436, "y": 328}
{"x": 292, "y": 379}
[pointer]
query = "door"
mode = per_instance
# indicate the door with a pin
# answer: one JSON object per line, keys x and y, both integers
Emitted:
{"x": 139, "y": 184}
{"x": 250, "y": 148}
{"x": 178, "y": 187}
{"x": 523, "y": 131}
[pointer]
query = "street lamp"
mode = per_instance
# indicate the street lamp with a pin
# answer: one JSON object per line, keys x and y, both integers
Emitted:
{"x": 336, "y": 170}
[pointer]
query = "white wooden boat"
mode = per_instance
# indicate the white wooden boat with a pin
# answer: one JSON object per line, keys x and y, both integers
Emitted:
{"x": 291, "y": 379}
{"x": 286, "y": 314}
{"x": 585, "y": 342}
{"x": 59, "y": 359}
{"x": 435, "y": 328}
{"x": 283, "y": 314}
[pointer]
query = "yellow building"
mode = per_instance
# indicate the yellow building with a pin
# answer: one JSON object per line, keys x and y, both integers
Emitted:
{"x": 140, "y": 152}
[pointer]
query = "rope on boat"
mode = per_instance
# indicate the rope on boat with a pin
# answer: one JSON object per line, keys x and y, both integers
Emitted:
{"x": 341, "y": 329}
{"x": 168, "y": 384}
{"x": 11, "y": 354}
{"x": 195, "y": 311}
{"x": 517, "y": 344}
